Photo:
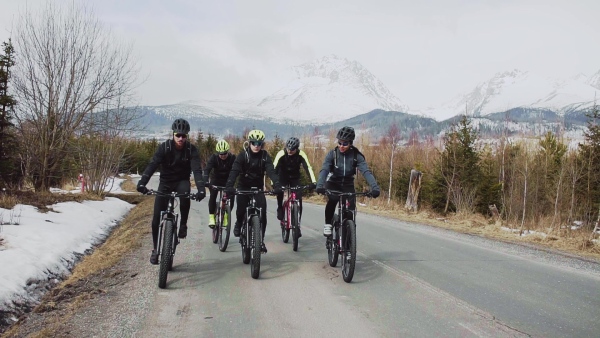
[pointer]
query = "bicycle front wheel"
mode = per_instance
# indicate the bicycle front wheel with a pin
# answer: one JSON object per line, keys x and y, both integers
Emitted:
{"x": 245, "y": 244}
{"x": 256, "y": 240}
{"x": 165, "y": 254}
{"x": 295, "y": 226}
{"x": 224, "y": 228}
{"x": 349, "y": 254}
{"x": 333, "y": 246}
{"x": 285, "y": 225}
{"x": 215, "y": 229}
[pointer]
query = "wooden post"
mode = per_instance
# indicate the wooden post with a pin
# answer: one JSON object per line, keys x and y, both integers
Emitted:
{"x": 414, "y": 187}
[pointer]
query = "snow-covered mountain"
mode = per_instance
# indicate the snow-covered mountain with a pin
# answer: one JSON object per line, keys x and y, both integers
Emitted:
{"x": 522, "y": 89}
{"x": 329, "y": 89}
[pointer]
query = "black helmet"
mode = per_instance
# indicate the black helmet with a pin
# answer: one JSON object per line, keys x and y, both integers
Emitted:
{"x": 346, "y": 134}
{"x": 292, "y": 143}
{"x": 181, "y": 126}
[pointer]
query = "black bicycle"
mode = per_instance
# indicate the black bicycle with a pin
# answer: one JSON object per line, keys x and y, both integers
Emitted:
{"x": 167, "y": 238}
{"x": 343, "y": 237}
{"x": 291, "y": 216}
{"x": 251, "y": 231}
{"x": 222, "y": 229}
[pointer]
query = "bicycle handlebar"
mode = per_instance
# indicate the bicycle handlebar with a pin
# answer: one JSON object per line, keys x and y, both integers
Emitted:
{"x": 341, "y": 193}
{"x": 189, "y": 195}
{"x": 254, "y": 192}
{"x": 298, "y": 187}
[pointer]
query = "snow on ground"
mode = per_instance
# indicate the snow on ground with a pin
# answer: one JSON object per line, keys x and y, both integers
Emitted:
{"x": 39, "y": 246}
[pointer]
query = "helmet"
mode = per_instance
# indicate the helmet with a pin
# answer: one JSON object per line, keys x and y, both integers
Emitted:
{"x": 222, "y": 147}
{"x": 292, "y": 143}
{"x": 181, "y": 126}
{"x": 256, "y": 135}
{"x": 346, "y": 134}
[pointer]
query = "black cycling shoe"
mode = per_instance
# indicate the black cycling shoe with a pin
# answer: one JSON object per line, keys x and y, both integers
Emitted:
{"x": 183, "y": 231}
{"x": 263, "y": 248}
{"x": 280, "y": 213}
{"x": 154, "y": 257}
{"x": 236, "y": 230}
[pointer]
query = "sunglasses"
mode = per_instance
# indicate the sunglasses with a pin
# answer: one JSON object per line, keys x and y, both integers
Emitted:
{"x": 344, "y": 143}
{"x": 223, "y": 154}
{"x": 256, "y": 143}
{"x": 180, "y": 135}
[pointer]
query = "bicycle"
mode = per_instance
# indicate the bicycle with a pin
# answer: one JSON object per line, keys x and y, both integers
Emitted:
{"x": 251, "y": 231}
{"x": 342, "y": 241}
{"x": 291, "y": 216}
{"x": 222, "y": 229}
{"x": 167, "y": 239}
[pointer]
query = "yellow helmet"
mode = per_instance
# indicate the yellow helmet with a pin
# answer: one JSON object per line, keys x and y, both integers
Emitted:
{"x": 256, "y": 135}
{"x": 222, "y": 147}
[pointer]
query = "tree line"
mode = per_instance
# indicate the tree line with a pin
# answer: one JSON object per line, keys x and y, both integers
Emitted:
{"x": 66, "y": 86}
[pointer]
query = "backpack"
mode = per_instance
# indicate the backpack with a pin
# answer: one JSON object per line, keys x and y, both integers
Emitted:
{"x": 187, "y": 155}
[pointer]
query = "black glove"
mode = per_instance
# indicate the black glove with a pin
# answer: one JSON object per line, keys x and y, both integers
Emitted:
{"x": 375, "y": 193}
{"x": 141, "y": 187}
{"x": 312, "y": 186}
{"x": 321, "y": 190}
{"x": 277, "y": 190}
{"x": 200, "y": 195}
{"x": 230, "y": 191}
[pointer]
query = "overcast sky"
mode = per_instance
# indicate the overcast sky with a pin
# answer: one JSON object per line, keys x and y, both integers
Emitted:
{"x": 425, "y": 52}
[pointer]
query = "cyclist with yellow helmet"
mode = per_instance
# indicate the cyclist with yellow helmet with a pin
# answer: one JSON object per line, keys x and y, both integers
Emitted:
{"x": 220, "y": 163}
{"x": 250, "y": 165}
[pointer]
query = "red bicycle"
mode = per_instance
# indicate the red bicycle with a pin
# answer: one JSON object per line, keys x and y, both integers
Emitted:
{"x": 291, "y": 216}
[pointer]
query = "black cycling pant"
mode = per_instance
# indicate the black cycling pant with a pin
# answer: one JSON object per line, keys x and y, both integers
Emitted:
{"x": 212, "y": 199}
{"x": 242, "y": 203}
{"x": 332, "y": 201}
{"x": 161, "y": 203}
{"x": 291, "y": 183}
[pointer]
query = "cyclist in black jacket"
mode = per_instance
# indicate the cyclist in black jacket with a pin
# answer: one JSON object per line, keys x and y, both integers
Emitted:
{"x": 178, "y": 158}
{"x": 220, "y": 164}
{"x": 287, "y": 166}
{"x": 250, "y": 165}
{"x": 338, "y": 171}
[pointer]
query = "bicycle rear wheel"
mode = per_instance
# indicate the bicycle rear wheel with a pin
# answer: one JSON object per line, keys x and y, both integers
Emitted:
{"x": 333, "y": 246}
{"x": 224, "y": 228}
{"x": 165, "y": 254}
{"x": 285, "y": 225}
{"x": 295, "y": 224}
{"x": 215, "y": 229}
{"x": 244, "y": 243}
{"x": 349, "y": 254}
{"x": 256, "y": 240}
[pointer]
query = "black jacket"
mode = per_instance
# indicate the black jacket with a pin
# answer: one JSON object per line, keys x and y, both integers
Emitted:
{"x": 220, "y": 168}
{"x": 251, "y": 168}
{"x": 175, "y": 165}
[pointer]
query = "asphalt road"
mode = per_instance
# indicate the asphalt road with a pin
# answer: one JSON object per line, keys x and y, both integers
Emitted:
{"x": 410, "y": 281}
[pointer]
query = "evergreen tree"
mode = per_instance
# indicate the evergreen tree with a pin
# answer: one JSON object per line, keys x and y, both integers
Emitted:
{"x": 589, "y": 186}
{"x": 8, "y": 145}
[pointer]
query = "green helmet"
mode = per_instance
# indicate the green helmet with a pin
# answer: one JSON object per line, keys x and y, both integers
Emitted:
{"x": 256, "y": 135}
{"x": 222, "y": 147}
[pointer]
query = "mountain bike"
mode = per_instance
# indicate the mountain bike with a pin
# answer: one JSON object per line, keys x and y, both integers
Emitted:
{"x": 291, "y": 216}
{"x": 167, "y": 238}
{"x": 342, "y": 240}
{"x": 222, "y": 229}
{"x": 251, "y": 231}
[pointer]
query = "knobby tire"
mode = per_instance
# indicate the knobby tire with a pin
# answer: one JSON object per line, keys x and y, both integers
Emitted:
{"x": 349, "y": 255}
{"x": 285, "y": 228}
{"x": 256, "y": 244}
{"x": 245, "y": 244}
{"x": 224, "y": 229}
{"x": 165, "y": 255}
{"x": 295, "y": 226}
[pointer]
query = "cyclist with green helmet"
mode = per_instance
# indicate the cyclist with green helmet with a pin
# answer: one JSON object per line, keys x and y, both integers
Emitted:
{"x": 287, "y": 166}
{"x": 250, "y": 165}
{"x": 220, "y": 163}
{"x": 178, "y": 158}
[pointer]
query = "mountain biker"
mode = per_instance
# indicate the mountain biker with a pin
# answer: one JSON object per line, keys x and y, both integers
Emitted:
{"x": 287, "y": 166}
{"x": 250, "y": 165}
{"x": 338, "y": 171}
{"x": 177, "y": 158}
{"x": 220, "y": 164}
